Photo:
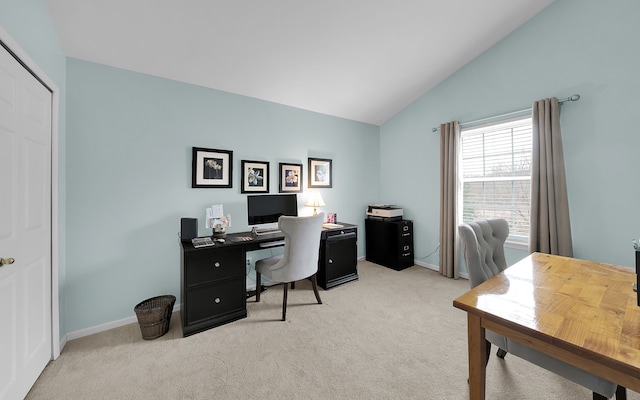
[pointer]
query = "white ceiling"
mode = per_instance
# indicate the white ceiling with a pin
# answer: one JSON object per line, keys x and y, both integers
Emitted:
{"x": 364, "y": 60}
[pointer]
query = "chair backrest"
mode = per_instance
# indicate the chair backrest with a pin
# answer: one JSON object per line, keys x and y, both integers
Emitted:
{"x": 301, "y": 246}
{"x": 483, "y": 248}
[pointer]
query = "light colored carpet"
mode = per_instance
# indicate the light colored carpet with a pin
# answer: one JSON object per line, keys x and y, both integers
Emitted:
{"x": 389, "y": 335}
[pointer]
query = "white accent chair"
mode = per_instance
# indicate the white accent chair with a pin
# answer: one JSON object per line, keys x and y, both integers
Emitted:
{"x": 300, "y": 257}
{"x": 483, "y": 249}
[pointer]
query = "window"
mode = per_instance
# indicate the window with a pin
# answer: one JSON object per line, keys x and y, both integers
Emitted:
{"x": 495, "y": 174}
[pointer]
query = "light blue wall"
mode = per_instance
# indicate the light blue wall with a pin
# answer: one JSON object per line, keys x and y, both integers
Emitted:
{"x": 129, "y": 144}
{"x": 29, "y": 25}
{"x": 589, "y": 47}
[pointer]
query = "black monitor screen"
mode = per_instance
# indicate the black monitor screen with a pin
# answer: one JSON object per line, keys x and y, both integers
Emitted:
{"x": 266, "y": 209}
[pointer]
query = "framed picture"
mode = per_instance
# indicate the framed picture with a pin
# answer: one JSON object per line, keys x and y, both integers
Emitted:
{"x": 211, "y": 168}
{"x": 255, "y": 177}
{"x": 320, "y": 174}
{"x": 290, "y": 178}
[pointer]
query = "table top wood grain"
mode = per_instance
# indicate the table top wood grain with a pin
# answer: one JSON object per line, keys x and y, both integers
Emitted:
{"x": 579, "y": 307}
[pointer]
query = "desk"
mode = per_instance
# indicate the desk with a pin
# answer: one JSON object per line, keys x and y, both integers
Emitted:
{"x": 581, "y": 312}
{"x": 213, "y": 286}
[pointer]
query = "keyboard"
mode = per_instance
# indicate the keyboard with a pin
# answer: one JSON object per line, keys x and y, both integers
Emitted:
{"x": 272, "y": 244}
{"x": 267, "y": 231}
{"x": 202, "y": 242}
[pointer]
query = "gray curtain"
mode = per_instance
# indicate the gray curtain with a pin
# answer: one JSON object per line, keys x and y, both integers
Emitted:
{"x": 449, "y": 138}
{"x": 550, "y": 230}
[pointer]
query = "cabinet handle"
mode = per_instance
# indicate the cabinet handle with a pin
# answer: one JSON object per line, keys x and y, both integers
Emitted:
{"x": 342, "y": 232}
{"x": 216, "y": 264}
{"x": 330, "y": 261}
{"x": 6, "y": 261}
{"x": 217, "y": 300}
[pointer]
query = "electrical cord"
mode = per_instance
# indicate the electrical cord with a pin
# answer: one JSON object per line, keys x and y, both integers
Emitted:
{"x": 430, "y": 254}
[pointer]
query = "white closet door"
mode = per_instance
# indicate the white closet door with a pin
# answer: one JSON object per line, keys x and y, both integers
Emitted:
{"x": 25, "y": 228}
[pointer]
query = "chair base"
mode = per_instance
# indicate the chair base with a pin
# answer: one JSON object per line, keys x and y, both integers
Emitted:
{"x": 621, "y": 394}
{"x": 251, "y": 293}
{"x": 621, "y": 391}
{"x": 501, "y": 353}
{"x": 314, "y": 284}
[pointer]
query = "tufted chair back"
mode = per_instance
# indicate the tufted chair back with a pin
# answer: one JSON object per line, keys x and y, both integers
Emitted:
{"x": 301, "y": 245}
{"x": 483, "y": 248}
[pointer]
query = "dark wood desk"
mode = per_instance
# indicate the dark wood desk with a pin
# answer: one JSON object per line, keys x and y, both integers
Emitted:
{"x": 213, "y": 287}
{"x": 581, "y": 312}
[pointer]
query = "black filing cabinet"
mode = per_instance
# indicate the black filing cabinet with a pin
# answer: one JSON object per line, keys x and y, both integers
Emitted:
{"x": 389, "y": 243}
{"x": 337, "y": 263}
{"x": 213, "y": 286}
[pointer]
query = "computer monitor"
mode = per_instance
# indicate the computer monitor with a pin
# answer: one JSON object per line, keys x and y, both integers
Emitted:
{"x": 263, "y": 211}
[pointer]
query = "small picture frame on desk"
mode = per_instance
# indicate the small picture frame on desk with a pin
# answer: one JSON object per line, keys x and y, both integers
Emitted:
{"x": 255, "y": 177}
{"x": 320, "y": 173}
{"x": 211, "y": 168}
{"x": 290, "y": 178}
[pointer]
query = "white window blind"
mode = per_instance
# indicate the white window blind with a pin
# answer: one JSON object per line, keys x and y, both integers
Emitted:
{"x": 495, "y": 174}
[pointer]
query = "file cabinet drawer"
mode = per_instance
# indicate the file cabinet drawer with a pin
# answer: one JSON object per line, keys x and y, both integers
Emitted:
{"x": 210, "y": 265}
{"x": 406, "y": 249}
{"x": 216, "y": 300}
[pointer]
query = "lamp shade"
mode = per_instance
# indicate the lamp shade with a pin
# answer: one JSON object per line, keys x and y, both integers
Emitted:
{"x": 315, "y": 201}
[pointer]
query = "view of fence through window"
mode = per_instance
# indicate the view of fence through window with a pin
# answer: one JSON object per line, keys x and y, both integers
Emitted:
{"x": 496, "y": 174}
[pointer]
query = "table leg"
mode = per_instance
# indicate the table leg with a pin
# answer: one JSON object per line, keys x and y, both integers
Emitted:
{"x": 477, "y": 358}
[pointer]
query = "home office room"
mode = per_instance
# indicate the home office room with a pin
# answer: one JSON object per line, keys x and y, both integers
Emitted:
{"x": 363, "y": 86}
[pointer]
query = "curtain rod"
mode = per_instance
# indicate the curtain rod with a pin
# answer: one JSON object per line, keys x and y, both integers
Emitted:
{"x": 575, "y": 97}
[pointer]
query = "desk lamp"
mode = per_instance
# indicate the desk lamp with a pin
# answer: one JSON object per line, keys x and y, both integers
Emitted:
{"x": 315, "y": 201}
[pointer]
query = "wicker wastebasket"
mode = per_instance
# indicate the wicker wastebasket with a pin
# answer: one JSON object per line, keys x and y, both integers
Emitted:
{"x": 154, "y": 315}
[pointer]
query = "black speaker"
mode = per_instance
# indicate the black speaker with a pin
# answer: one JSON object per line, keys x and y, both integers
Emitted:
{"x": 188, "y": 228}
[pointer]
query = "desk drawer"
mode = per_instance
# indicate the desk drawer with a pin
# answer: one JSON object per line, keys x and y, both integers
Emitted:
{"x": 215, "y": 301}
{"x": 340, "y": 232}
{"x": 209, "y": 265}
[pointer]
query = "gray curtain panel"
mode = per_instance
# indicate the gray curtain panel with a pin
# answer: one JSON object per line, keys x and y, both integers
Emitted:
{"x": 550, "y": 230}
{"x": 449, "y": 138}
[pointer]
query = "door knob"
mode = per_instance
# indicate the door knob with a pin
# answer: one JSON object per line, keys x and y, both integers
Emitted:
{"x": 6, "y": 261}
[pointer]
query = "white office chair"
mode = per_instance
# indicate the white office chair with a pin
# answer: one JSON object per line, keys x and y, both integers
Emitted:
{"x": 300, "y": 257}
{"x": 483, "y": 249}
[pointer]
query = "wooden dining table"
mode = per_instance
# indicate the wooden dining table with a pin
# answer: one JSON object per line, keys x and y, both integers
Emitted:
{"x": 584, "y": 313}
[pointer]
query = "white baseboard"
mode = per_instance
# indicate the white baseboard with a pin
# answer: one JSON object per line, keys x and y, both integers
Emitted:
{"x": 133, "y": 319}
{"x": 105, "y": 327}
{"x": 125, "y": 321}
{"x": 436, "y": 268}
{"x": 426, "y": 265}
{"x": 63, "y": 342}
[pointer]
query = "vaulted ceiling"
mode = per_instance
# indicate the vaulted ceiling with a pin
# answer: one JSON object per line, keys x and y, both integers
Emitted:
{"x": 363, "y": 60}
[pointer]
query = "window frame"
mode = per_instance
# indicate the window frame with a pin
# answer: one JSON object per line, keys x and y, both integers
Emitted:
{"x": 487, "y": 125}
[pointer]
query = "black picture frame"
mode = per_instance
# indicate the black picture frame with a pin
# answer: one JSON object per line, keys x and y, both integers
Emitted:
{"x": 290, "y": 178}
{"x": 255, "y": 176}
{"x": 211, "y": 168}
{"x": 320, "y": 173}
